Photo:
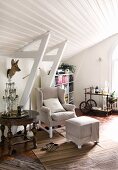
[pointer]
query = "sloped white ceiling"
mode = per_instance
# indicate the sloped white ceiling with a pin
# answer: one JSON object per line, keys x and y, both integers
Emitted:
{"x": 82, "y": 22}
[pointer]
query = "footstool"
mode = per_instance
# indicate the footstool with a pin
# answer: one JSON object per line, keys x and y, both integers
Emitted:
{"x": 81, "y": 130}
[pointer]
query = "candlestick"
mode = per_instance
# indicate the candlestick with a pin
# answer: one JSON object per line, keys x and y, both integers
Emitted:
{"x": 11, "y": 98}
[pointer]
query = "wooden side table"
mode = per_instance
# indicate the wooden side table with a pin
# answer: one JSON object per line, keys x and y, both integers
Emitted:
{"x": 18, "y": 121}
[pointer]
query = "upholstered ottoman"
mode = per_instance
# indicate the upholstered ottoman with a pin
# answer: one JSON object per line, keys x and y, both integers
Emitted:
{"x": 81, "y": 130}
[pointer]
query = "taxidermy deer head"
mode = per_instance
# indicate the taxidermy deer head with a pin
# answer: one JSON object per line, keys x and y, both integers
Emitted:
{"x": 14, "y": 68}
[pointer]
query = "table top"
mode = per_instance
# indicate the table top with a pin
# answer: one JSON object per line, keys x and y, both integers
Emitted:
{"x": 27, "y": 117}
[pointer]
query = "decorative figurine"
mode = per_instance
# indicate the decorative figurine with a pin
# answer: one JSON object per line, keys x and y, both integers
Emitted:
{"x": 14, "y": 68}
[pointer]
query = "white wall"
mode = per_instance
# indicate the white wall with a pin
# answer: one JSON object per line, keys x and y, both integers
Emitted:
{"x": 3, "y": 79}
{"x": 89, "y": 70}
{"x": 25, "y": 65}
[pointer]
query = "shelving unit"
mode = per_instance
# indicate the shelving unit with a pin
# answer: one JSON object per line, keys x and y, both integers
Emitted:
{"x": 66, "y": 81}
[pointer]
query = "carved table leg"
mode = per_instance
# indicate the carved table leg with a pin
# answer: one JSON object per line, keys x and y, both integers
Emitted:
{"x": 34, "y": 135}
{"x": 25, "y": 136}
{"x": 9, "y": 135}
{"x": 25, "y": 132}
{"x": 2, "y": 135}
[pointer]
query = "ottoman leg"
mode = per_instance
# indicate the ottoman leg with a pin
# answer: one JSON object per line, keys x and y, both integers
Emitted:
{"x": 96, "y": 142}
{"x": 79, "y": 146}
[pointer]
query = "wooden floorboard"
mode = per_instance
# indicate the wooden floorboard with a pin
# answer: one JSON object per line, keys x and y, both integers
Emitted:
{"x": 108, "y": 126}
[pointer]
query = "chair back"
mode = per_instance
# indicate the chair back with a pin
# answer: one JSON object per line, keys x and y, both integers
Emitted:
{"x": 49, "y": 92}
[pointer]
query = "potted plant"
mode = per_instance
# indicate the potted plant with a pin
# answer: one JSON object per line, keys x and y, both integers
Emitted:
{"x": 112, "y": 98}
{"x": 70, "y": 68}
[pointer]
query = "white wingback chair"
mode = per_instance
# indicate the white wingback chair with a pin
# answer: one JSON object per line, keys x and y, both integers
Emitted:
{"x": 52, "y": 108}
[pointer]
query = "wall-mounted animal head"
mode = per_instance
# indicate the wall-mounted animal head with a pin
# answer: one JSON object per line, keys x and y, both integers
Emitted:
{"x": 14, "y": 68}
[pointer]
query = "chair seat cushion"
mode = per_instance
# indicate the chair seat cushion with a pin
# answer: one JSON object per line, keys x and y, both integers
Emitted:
{"x": 61, "y": 116}
{"x": 54, "y": 105}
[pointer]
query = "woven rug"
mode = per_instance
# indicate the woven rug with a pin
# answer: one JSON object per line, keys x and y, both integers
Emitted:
{"x": 103, "y": 156}
{"x": 61, "y": 131}
{"x": 21, "y": 163}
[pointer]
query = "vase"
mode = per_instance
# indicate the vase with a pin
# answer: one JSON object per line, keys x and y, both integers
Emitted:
{"x": 66, "y": 71}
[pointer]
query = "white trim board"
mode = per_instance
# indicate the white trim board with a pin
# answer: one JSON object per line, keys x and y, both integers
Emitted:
{"x": 39, "y": 56}
{"x": 37, "y": 61}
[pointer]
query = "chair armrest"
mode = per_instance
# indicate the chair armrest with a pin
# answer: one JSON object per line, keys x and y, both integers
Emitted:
{"x": 46, "y": 113}
{"x": 69, "y": 107}
{"x": 46, "y": 110}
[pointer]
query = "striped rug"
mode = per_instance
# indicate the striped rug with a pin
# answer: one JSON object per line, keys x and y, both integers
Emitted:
{"x": 20, "y": 162}
{"x": 103, "y": 156}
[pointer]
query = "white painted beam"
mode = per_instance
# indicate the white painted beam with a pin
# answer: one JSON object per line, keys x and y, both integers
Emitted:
{"x": 49, "y": 58}
{"x": 56, "y": 61}
{"x": 55, "y": 65}
{"x": 37, "y": 62}
{"x": 28, "y": 54}
{"x": 57, "y": 46}
{"x": 34, "y": 40}
{"x": 25, "y": 54}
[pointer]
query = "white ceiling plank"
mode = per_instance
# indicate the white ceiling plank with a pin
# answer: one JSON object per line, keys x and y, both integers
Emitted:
{"x": 83, "y": 22}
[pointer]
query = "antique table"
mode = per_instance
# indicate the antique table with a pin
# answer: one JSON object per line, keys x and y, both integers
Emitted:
{"x": 28, "y": 117}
